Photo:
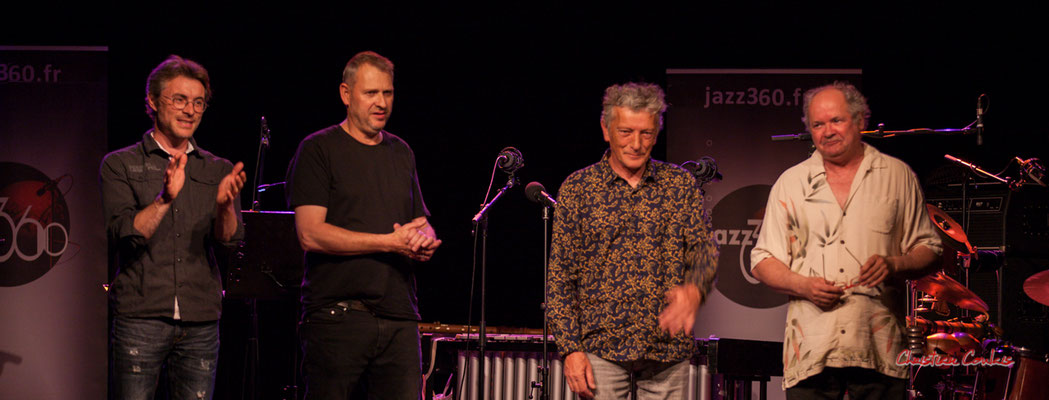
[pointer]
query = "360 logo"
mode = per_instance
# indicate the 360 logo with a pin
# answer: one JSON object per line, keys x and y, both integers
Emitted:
{"x": 34, "y": 224}
{"x": 736, "y": 221}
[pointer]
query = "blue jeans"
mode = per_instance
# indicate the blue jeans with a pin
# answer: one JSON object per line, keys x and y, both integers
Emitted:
{"x": 140, "y": 347}
{"x": 654, "y": 380}
{"x": 346, "y": 348}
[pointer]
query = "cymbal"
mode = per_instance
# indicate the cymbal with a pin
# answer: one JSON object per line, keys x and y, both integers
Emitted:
{"x": 950, "y": 230}
{"x": 1037, "y": 287}
{"x": 953, "y": 344}
{"x": 943, "y": 287}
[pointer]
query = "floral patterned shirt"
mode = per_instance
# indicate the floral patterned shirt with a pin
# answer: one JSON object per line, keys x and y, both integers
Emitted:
{"x": 616, "y": 251}
{"x": 806, "y": 229}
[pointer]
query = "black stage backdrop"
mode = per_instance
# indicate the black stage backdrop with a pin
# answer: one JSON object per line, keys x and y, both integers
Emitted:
{"x": 471, "y": 81}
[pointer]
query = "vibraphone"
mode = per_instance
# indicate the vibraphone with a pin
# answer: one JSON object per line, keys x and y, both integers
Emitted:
{"x": 720, "y": 369}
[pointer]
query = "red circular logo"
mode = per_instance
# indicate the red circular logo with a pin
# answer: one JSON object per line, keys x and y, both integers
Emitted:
{"x": 34, "y": 223}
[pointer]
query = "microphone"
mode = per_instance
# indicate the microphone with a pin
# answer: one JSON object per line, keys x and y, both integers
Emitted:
{"x": 537, "y": 193}
{"x": 264, "y": 132}
{"x": 51, "y": 184}
{"x": 1033, "y": 170}
{"x": 979, "y": 120}
{"x": 510, "y": 160}
{"x": 705, "y": 170}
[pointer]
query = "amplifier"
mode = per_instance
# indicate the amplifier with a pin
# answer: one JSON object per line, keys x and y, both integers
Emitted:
{"x": 1016, "y": 222}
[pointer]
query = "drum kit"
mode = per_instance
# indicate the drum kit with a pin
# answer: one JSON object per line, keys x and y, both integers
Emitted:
{"x": 966, "y": 357}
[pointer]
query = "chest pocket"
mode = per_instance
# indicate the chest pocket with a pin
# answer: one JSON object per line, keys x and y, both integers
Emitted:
{"x": 881, "y": 215}
{"x": 206, "y": 180}
{"x": 206, "y": 188}
{"x": 146, "y": 186}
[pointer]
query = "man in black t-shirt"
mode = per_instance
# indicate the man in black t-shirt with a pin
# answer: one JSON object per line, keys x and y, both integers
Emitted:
{"x": 361, "y": 218}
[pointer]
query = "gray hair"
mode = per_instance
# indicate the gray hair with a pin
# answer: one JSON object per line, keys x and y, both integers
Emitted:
{"x": 853, "y": 98}
{"x": 637, "y": 97}
{"x": 349, "y": 74}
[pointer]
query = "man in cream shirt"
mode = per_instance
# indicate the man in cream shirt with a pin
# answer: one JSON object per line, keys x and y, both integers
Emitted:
{"x": 842, "y": 229}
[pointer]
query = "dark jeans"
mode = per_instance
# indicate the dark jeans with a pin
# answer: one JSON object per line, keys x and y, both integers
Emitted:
{"x": 140, "y": 347}
{"x": 343, "y": 348}
{"x": 861, "y": 383}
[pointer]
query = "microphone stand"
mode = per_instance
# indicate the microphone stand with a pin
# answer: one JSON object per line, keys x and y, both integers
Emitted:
{"x": 251, "y": 353}
{"x": 544, "y": 369}
{"x": 264, "y": 143}
{"x": 1013, "y": 184}
{"x": 480, "y": 221}
{"x": 881, "y": 133}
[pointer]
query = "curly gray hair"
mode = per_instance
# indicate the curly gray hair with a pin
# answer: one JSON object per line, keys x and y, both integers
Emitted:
{"x": 637, "y": 97}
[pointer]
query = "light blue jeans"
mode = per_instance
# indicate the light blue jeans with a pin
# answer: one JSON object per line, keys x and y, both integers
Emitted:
{"x": 140, "y": 347}
{"x": 654, "y": 380}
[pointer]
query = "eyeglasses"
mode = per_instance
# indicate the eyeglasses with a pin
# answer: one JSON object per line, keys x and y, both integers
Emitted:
{"x": 179, "y": 102}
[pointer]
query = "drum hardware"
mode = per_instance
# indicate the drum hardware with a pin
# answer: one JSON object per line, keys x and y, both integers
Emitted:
{"x": 1027, "y": 377}
{"x": 915, "y": 340}
{"x": 947, "y": 289}
{"x": 950, "y": 231}
{"x": 956, "y": 345}
{"x": 931, "y": 304}
{"x": 977, "y": 328}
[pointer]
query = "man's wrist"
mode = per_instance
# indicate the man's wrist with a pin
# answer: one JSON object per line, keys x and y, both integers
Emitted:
{"x": 163, "y": 198}
{"x": 224, "y": 207}
{"x": 895, "y": 263}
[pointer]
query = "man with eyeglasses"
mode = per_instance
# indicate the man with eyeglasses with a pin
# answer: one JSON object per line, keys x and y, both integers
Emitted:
{"x": 167, "y": 204}
{"x": 841, "y": 231}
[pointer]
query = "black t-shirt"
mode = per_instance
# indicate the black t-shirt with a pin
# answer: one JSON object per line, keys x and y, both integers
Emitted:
{"x": 365, "y": 189}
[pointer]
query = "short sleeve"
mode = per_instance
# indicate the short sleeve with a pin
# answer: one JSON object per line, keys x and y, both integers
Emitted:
{"x": 921, "y": 231}
{"x": 309, "y": 176}
{"x": 418, "y": 205}
{"x": 774, "y": 236}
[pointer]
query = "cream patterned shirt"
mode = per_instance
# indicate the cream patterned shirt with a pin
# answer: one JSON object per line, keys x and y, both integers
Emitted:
{"x": 806, "y": 229}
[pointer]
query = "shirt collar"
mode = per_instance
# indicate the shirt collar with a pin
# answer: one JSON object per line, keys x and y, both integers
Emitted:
{"x": 151, "y": 144}
{"x": 608, "y": 175}
{"x": 872, "y": 159}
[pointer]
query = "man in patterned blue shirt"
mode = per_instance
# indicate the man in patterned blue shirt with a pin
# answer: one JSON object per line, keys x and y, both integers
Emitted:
{"x": 632, "y": 259}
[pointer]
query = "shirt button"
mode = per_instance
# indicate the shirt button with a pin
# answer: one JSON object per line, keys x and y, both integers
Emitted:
{"x": 843, "y": 241}
{"x": 842, "y": 270}
{"x": 178, "y": 259}
{"x": 842, "y": 331}
{"x": 176, "y": 210}
{"x": 178, "y": 235}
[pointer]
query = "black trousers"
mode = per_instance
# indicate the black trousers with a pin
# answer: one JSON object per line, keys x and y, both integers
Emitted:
{"x": 349, "y": 353}
{"x": 861, "y": 383}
